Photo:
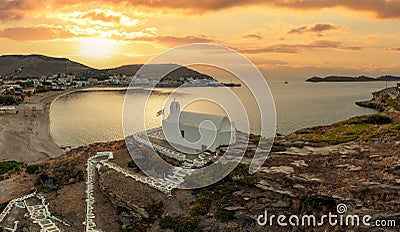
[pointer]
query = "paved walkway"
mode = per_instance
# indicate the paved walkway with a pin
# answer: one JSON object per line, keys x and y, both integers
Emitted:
{"x": 37, "y": 209}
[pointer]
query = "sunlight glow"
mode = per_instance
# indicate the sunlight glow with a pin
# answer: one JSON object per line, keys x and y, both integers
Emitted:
{"x": 97, "y": 47}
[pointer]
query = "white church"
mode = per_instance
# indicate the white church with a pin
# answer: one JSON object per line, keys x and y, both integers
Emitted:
{"x": 197, "y": 131}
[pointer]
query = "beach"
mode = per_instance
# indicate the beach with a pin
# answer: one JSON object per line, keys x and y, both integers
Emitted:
{"x": 26, "y": 136}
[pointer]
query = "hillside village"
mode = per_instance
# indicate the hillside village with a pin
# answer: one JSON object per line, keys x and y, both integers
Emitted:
{"x": 29, "y": 77}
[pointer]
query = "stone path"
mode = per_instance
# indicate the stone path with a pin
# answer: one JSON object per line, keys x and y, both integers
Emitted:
{"x": 35, "y": 205}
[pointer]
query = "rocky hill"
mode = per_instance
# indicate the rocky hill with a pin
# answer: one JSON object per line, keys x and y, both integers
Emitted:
{"x": 355, "y": 162}
{"x": 38, "y": 65}
{"x": 23, "y": 66}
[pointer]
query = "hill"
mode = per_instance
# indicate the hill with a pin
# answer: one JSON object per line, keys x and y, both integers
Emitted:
{"x": 352, "y": 79}
{"x": 18, "y": 66}
{"x": 25, "y": 66}
{"x": 157, "y": 70}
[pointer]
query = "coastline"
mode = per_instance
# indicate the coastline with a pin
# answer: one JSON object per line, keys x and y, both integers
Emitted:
{"x": 26, "y": 136}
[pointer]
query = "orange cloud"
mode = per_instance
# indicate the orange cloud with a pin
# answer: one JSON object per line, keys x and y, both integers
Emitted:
{"x": 39, "y": 33}
{"x": 100, "y": 16}
{"x": 317, "y": 28}
{"x": 175, "y": 41}
{"x": 393, "y": 49}
{"x": 381, "y": 8}
{"x": 252, "y": 36}
{"x": 17, "y": 9}
{"x": 103, "y": 16}
{"x": 296, "y": 48}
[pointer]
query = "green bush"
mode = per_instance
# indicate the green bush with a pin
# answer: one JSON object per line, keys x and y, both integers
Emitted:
{"x": 121, "y": 209}
{"x": 8, "y": 166}
{"x": 32, "y": 169}
{"x": 224, "y": 215}
{"x": 155, "y": 210}
{"x": 180, "y": 224}
{"x": 276, "y": 147}
{"x": 241, "y": 175}
{"x": 132, "y": 164}
{"x": 378, "y": 119}
{"x": 3, "y": 206}
{"x": 201, "y": 206}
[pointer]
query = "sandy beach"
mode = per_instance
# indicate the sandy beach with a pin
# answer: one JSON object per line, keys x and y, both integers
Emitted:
{"x": 26, "y": 136}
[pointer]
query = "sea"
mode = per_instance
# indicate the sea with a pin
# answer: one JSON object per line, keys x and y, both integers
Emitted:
{"x": 96, "y": 114}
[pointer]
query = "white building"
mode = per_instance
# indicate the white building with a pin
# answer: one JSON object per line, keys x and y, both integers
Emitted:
{"x": 197, "y": 131}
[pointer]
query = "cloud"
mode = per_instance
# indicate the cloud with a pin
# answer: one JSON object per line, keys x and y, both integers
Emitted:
{"x": 296, "y": 48}
{"x": 270, "y": 63}
{"x": 252, "y": 36}
{"x": 100, "y": 16}
{"x": 103, "y": 16}
{"x": 393, "y": 49}
{"x": 317, "y": 28}
{"x": 381, "y": 8}
{"x": 174, "y": 40}
{"x": 38, "y": 33}
{"x": 17, "y": 9}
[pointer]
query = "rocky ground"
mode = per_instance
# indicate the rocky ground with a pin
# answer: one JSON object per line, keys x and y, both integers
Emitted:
{"x": 355, "y": 162}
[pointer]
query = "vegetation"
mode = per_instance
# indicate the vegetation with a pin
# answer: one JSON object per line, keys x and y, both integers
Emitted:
{"x": 55, "y": 180}
{"x": 180, "y": 224}
{"x": 313, "y": 204}
{"x": 276, "y": 147}
{"x": 9, "y": 167}
{"x": 33, "y": 168}
{"x": 362, "y": 128}
{"x": 241, "y": 175}
{"x": 3, "y": 206}
{"x": 121, "y": 209}
{"x": 394, "y": 103}
{"x": 254, "y": 138}
{"x": 132, "y": 164}
{"x": 201, "y": 206}
{"x": 377, "y": 119}
{"x": 11, "y": 99}
{"x": 154, "y": 210}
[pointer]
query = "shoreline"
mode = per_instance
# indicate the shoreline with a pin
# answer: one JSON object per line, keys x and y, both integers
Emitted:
{"x": 26, "y": 136}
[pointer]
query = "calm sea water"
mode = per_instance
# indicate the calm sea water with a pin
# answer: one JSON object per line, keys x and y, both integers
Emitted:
{"x": 82, "y": 118}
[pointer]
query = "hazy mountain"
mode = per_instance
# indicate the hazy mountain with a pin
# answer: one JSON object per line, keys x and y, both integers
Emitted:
{"x": 352, "y": 79}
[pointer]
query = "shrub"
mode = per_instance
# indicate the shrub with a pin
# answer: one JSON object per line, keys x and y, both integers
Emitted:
{"x": 241, "y": 175}
{"x": 201, "y": 206}
{"x": 276, "y": 147}
{"x": 224, "y": 215}
{"x": 155, "y": 210}
{"x": 3, "y": 206}
{"x": 132, "y": 164}
{"x": 378, "y": 119}
{"x": 8, "y": 166}
{"x": 121, "y": 209}
{"x": 180, "y": 224}
{"x": 32, "y": 169}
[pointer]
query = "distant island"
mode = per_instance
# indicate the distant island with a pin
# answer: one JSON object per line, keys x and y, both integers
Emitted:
{"x": 353, "y": 79}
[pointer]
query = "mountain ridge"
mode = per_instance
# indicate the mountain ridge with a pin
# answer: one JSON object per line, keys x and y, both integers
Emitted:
{"x": 36, "y": 65}
{"x": 361, "y": 78}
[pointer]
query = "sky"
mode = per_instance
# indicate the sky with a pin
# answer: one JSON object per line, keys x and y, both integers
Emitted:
{"x": 284, "y": 38}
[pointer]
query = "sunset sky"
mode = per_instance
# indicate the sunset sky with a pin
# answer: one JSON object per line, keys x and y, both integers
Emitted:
{"x": 284, "y": 38}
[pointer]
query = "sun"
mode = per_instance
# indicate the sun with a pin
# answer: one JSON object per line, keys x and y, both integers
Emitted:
{"x": 97, "y": 47}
